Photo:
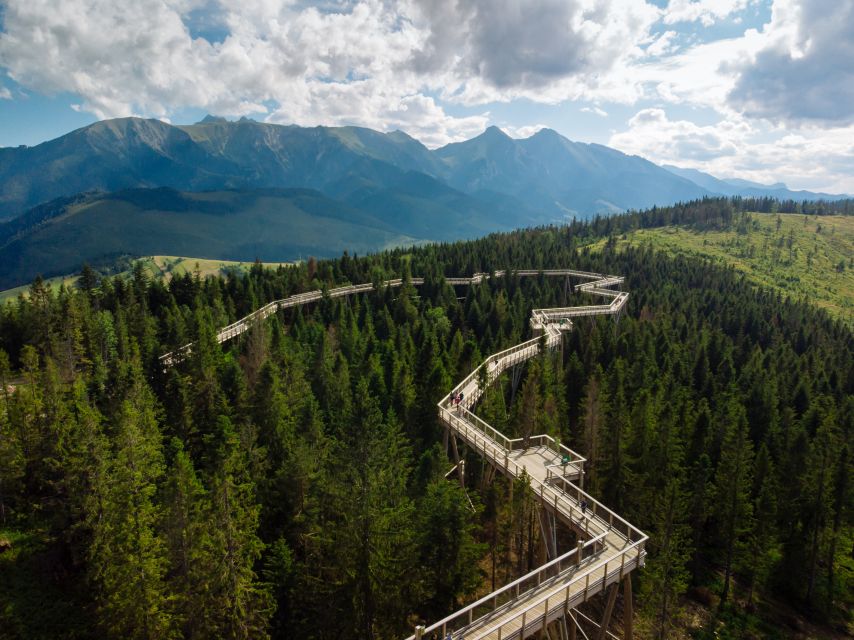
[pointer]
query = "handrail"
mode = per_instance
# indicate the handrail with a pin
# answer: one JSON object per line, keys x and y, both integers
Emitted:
{"x": 617, "y": 570}
{"x": 511, "y": 585}
{"x": 229, "y": 331}
{"x": 502, "y": 457}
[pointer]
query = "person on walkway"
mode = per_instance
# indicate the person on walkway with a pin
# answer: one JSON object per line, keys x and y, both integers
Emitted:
{"x": 584, "y": 506}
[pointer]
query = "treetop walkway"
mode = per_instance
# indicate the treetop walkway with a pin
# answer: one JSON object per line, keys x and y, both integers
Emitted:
{"x": 608, "y": 547}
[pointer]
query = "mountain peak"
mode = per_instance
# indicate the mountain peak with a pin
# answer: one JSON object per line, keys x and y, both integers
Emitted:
{"x": 545, "y": 132}
{"x": 495, "y": 133}
{"x": 209, "y": 119}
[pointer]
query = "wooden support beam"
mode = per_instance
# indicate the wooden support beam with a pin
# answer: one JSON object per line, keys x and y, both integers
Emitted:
{"x": 547, "y": 529}
{"x": 573, "y": 627}
{"x": 563, "y": 632}
{"x": 627, "y": 607}
{"x": 609, "y": 609}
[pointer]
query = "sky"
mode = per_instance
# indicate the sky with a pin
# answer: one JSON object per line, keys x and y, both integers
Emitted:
{"x": 755, "y": 89}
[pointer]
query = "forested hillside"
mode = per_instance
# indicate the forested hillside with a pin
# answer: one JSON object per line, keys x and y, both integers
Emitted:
{"x": 291, "y": 484}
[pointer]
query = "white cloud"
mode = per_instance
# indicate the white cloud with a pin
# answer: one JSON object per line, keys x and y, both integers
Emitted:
{"x": 805, "y": 69}
{"x": 652, "y": 135}
{"x": 506, "y": 47}
{"x": 125, "y": 58}
{"x": 300, "y": 65}
{"x": 701, "y": 75}
{"x": 5, "y": 94}
{"x": 706, "y": 11}
{"x": 663, "y": 44}
{"x": 736, "y": 147}
{"x": 523, "y": 132}
{"x": 595, "y": 110}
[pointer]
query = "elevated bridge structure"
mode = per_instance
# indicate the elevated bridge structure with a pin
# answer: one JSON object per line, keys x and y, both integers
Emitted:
{"x": 608, "y": 548}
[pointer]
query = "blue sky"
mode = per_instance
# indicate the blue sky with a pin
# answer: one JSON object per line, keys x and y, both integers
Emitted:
{"x": 759, "y": 89}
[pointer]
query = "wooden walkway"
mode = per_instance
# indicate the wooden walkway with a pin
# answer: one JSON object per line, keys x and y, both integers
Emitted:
{"x": 613, "y": 547}
{"x": 608, "y": 548}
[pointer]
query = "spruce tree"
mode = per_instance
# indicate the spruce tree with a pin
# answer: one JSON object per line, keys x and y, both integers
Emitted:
{"x": 128, "y": 560}
{"x": 237, "y": 604}
{"x": 733, "y": 478}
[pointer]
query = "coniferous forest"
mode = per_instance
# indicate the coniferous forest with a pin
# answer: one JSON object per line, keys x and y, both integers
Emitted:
{"x": 291, "y": 483}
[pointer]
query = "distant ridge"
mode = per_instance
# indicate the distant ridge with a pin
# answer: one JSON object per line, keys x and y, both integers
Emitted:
{"x": 546, "y": 176}
{"x": 738, "y": 187}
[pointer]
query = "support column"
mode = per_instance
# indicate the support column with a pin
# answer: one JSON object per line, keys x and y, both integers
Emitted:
{"x": 460, "y": 463}
{"x": 515, "y": 377}
{"x": 627, "y": 607}
{"x": 547, "y": 529}
{"x": 609, "y": 609}
{"x": 561, "y": 627}
{"x": 573, "y": 627}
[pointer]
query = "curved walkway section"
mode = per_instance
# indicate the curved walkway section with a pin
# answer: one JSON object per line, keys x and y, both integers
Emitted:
{"x": 608, "y": 548}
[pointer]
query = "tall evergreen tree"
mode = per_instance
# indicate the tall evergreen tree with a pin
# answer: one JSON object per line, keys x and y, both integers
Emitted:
{"x": 128, "y": 557}
{"x": 733, "y": 478}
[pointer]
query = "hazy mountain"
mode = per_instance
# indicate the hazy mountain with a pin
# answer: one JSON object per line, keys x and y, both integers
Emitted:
{"x": 213, "y": 154}
{"x": 560, "y": 177}
{"x": 738, "y": 187}
{"x": 548, "y": 176}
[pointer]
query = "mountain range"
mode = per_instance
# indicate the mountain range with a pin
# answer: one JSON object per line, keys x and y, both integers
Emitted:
{"x": 241, "y": 190}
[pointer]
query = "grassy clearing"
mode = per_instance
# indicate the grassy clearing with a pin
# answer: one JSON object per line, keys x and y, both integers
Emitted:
{"x": 803, "y": 257}
{"x": 53, "y": 283}
{"x": 164, "y": 267}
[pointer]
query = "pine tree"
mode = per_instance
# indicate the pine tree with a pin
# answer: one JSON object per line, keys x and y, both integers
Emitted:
{"x": 761, "y": 548}
{"x": 733, "y": 479}
{"x": 128, "y": 557}
{"x": 375, "y": 542}
{"x": 822, "y": 461}
{"x": 448, "y": 549}
{"x": 670, "y": 544}
{"x": 187, "y": 535}
{"x": 238, "y": 605}
{"x": 11, "y": 453}
{"x": 593, "y": 412}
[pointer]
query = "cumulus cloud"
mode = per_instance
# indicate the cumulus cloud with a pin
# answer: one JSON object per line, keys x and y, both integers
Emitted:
{"x": 296, "y": 64}
{"x": 701, "y": 75}
{"x": 735, "y": 147}
{"x": 805, "y": 70}
{"x": 5, "y": 94}
{"x": 153, "y": 57}
{"x": 520, "y": 45}
{"x": 706, "y": 11}
{"x": 653, "y": 135}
